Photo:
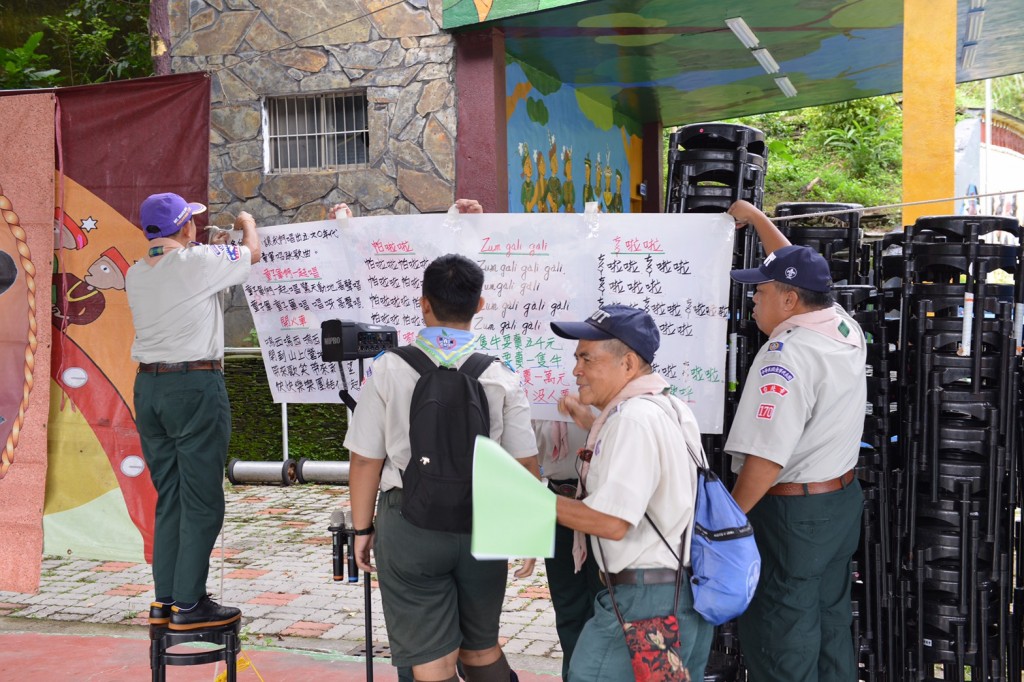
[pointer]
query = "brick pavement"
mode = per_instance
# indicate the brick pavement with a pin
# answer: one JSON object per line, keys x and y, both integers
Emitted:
{"x": 274, "y": 562}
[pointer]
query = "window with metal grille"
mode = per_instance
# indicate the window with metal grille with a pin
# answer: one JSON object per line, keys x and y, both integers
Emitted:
{"x": 316, "y": 132}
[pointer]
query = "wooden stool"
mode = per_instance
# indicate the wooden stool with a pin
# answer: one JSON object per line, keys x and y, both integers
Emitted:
{"x": 162, "y": 639}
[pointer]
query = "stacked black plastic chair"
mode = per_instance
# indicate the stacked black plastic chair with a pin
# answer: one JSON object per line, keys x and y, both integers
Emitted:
{"x": 711, "y": 165}
{"x": 836, "y": 237}
{"x": 959, "y": 441}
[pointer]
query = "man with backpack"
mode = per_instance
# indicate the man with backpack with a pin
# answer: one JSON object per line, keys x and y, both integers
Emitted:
{"x": 795, "y": 439}
{"x": 411, "y": 437}
{"x": 638, "y": 488}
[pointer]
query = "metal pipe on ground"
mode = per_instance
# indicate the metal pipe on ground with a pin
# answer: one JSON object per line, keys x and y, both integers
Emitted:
{"x": 309, "y": 471}
{"x": 267, "y": 473}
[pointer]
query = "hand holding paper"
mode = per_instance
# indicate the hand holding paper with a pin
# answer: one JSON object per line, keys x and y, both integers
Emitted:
{"x": 513, "y": 512}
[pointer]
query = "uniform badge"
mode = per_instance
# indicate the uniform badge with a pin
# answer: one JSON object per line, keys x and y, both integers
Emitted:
{"x": 777, "y": 369}
{"x": 774, "y": 388}
{"x": 765, "y": 411}
{"x": 844, "y": 329}
{"x": 775, "y": 347}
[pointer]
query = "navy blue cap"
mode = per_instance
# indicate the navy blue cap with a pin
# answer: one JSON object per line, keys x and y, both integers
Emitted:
{"x": 632, "y": 326}
{"x": 798, "y": 266}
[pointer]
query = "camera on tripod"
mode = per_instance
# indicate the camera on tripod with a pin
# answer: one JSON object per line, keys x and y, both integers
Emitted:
{"x": 344, "y": 340}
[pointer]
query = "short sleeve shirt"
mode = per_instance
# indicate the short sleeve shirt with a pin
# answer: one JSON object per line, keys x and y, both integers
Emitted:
{"x": 803, "y": 405}
{"x": 640, "y": 465}
{"x": 379, "y": 428}
{"x": 175, "y": 303}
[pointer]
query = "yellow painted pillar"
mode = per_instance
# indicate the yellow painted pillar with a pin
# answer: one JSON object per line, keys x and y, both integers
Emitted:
{"x": 929, "y": 108}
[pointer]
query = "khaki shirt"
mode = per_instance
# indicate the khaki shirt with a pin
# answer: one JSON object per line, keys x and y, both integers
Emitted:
{"x": 640, "y": 464}
{"x": 803, "y": 405}
{"x": 175, "y": 303}
{"x": 379, "y": 428}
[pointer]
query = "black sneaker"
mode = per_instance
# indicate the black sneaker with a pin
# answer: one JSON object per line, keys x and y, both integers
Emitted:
{"x": 206, "y": 614}
{"x": 160, "y": 613}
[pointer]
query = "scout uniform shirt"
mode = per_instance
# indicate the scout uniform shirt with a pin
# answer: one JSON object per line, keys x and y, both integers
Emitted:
{"x": 804, "y": 401}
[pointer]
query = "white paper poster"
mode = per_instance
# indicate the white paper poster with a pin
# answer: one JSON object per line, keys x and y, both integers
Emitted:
{"x": 537, "y": 268}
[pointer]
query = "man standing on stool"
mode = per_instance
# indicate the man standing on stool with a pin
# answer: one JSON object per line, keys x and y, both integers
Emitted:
{"x": 181, "y": 405}
{"x": 795, "y": 439}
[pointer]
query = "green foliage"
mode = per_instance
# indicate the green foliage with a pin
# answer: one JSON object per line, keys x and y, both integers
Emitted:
{"x": 101, "y": 40}
{"x": 1007, "y": 95}
{"x": 315, "y": 430}
{"x": 23, "y": 67}
{"x": 537, "y": 111}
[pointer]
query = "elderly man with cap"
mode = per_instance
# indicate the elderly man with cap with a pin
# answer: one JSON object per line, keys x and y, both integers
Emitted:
{"x": 795, "y": 439}
{"x": 181, "y": 406}
{"x": 638, "y": 487}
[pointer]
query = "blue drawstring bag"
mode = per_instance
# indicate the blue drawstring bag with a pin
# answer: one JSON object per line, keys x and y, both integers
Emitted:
{"x": 723, "y": 554}
{"x": 724, "y": 559}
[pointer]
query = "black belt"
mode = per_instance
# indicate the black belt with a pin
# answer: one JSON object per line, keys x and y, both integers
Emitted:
{"x": 642, "y": 576}
{"x": 191, "y": 366}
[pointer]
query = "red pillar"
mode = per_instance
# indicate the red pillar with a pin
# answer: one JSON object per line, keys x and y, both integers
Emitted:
{"x": 652, "y": 166}
{"x": 481, "y": 148}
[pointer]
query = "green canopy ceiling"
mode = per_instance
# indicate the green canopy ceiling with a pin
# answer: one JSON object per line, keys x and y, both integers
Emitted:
{"x": 678, "y": 62}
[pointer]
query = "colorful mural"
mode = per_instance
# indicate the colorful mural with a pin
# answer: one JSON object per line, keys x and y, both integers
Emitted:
{"x": 467, "y": 12}
{"x": 559, "y": 158}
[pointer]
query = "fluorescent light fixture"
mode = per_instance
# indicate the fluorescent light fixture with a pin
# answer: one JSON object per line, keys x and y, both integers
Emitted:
{"x": 764, "y": 58}
{"x": 969, "y": 54}
{"x": 743, "y": 32}
{"x": 975, "y": 19}
{"x": 786, "y": 86}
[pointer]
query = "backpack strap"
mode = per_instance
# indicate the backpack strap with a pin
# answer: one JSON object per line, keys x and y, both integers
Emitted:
{"x": 476, "y": 364}
{"x": 415, "y": 357}
{"x": 674, "y": 415}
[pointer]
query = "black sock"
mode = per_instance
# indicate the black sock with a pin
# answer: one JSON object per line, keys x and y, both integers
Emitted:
{"x": 182, "y": 606}
{"x": 499, "y": 671}
{"x": 166, "y": 601}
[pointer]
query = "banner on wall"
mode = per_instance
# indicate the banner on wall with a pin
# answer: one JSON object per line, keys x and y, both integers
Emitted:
{"x": 538, "y": 269}
{"x": 116, "y": 144}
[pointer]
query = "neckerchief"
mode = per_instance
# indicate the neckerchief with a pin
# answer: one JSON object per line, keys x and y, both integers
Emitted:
{"x": 827, "y": 322}
{"x": 446, "y": 345}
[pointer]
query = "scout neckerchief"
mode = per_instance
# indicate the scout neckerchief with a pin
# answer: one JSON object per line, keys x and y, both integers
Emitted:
{"x": 446, "y": 346}
{"x": 827, "y": 322}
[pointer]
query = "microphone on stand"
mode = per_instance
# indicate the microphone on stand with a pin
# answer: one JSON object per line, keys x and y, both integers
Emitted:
{"x": 353, "y": 568}
{"x": 337, "y": 530}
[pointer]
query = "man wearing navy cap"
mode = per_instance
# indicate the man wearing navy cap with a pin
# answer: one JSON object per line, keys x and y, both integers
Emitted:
{"x": 636, "y": 482}
{"x": 795, "y": 439}
{"x": 181, "y": 405}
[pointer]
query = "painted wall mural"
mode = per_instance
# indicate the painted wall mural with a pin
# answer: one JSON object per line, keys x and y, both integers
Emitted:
{"x": 562, "y": 154}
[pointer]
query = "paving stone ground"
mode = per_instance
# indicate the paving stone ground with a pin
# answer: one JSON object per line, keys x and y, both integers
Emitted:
{"x": 273, "y": 560}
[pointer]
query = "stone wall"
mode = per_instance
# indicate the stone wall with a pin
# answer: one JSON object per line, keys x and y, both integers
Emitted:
{"x": 259, "y": 48}
{"x": 397, "y": 54}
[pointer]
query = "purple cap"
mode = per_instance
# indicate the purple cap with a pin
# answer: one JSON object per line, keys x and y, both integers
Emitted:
{"x": 632, "y": 326}
{"x": 798, "y": 266}
{"x": 162, "y": 215}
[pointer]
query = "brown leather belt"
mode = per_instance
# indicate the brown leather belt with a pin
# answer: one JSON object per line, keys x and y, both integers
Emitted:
{"x": 813, "y": 488}
{"x": 192, "y": 366}
{"x": 642, "y": 576}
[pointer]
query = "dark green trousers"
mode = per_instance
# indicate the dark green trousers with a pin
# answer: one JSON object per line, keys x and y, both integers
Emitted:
{"x": 184, "y": 421}
{"x": 797, "y": 628}
{"x": 572, "y": 594}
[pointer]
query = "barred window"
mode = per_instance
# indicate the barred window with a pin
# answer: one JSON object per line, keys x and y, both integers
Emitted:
{"x": 316, "y": 132}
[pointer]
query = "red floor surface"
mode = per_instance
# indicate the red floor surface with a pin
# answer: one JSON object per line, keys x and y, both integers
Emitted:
{"x": 54, "y": 658}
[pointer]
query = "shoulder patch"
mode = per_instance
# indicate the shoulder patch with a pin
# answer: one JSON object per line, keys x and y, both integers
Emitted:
{"x": 231, "y": 251}
{"x": 774, "y": 388}
{"x": 775, "y": 347}
{"x": 783, "y": 372}
{"x": 765, "y": 411}
{"x": 844, "y": 329}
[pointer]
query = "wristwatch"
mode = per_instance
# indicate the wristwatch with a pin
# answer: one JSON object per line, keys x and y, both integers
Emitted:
{"x": 363, "y": 531}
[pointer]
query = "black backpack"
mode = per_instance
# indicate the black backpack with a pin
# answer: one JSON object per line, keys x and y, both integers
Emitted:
{"x": 449, "y": 410}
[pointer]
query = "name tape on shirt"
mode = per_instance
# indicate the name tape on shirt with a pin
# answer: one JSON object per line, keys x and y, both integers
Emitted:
{"x": 774, "y": 388}
{"x": 777, "y": 369}
{"x": 765, "y": 411}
